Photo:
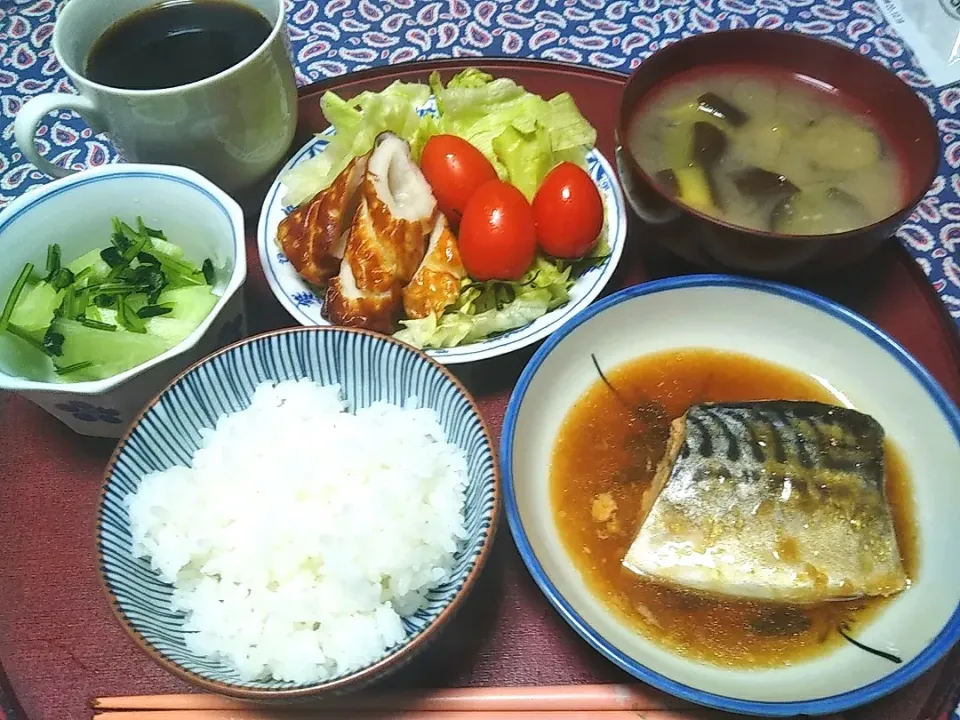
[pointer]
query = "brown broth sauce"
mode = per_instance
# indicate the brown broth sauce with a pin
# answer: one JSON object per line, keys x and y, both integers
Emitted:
{"x": 591, "y": 456}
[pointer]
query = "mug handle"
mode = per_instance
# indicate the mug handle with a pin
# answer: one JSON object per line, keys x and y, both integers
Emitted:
{"x": 31, "y": 115}
{"x": 630, "y": 192}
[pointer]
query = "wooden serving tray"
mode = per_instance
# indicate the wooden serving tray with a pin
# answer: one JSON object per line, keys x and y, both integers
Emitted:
{"x": 59, "y": 642}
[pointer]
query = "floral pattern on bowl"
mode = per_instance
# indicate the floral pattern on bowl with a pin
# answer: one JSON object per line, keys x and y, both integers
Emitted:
{"x": 90, "y": 413}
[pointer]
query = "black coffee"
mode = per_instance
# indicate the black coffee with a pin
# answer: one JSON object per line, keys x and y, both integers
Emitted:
{"x": 175, "y": 43}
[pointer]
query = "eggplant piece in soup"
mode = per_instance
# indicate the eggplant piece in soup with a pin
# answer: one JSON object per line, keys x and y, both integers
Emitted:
{"x": 763, "y": 184}
{"x": 721, "y": 109}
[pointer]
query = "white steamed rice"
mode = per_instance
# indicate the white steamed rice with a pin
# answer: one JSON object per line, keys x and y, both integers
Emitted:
{"x": 302, "y": 533}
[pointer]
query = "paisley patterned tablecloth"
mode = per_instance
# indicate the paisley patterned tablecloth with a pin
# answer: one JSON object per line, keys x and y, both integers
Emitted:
{"x": 338, "y": 36}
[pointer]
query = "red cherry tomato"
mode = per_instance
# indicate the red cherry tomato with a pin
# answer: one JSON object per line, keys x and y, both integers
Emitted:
{"x": 568, "y": 212}
{"x": 455, "y": 169}
{"x": 498, "y": 239}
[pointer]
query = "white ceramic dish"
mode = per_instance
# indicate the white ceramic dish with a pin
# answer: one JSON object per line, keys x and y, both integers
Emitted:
{"x": 796, "y": 329}
{"x": 75, "y": 212}
{"x": 305, "y": 305}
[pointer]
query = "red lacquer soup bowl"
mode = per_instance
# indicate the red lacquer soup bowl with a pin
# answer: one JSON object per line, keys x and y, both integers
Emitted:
{"x": 852, "y": 80}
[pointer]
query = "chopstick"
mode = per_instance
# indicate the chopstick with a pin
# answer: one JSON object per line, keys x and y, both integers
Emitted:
{"x": 558, "y": 698}
{"x": 560, "y": 702}
{"x": 289, "y": 714}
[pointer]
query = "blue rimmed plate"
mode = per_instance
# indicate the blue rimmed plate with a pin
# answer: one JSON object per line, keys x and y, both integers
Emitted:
{"x": 369, "y": 367}
{"x": 799, "y": 330}
{"x": 305, "y": 305}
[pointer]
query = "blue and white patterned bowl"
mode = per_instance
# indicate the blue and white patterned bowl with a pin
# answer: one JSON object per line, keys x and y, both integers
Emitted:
{"x": 75, "y": 212}
{"x": 300, "y": 300}
{"x": 369, "y": 367}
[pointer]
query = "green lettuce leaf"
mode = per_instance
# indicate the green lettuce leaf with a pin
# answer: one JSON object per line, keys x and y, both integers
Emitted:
{"x": 488, "y": 308}
{"x": 357, "y": 123}
{"x": 527, "y": 157}
{"x": 473, "y": 94}
{"x": 571, "y": 136}
{"x": 481, "y": 109}
{"x": 459, "y": 328}
{"x": 473, "y": 105}
{"x": 470, "y": 78}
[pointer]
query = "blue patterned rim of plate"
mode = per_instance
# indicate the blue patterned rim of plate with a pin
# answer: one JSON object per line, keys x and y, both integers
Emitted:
{"x": 299, "y": 299}
{"x": 368, "y": 367}
{"x": 903, "y": 675}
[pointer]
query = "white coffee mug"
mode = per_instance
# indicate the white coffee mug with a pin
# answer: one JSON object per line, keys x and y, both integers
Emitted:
{"x": 232, "y": 127}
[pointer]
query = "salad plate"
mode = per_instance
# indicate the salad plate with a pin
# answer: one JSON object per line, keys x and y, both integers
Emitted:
{"x": 306, "y": 302}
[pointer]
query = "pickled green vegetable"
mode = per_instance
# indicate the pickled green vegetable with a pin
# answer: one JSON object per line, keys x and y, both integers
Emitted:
{"x": 106, "y": 311}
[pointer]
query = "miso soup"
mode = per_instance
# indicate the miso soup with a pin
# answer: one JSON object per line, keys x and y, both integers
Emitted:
{"x": 767, "y": 151}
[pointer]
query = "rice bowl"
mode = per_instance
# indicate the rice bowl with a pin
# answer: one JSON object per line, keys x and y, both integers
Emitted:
{"x": 319, "y": 536}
